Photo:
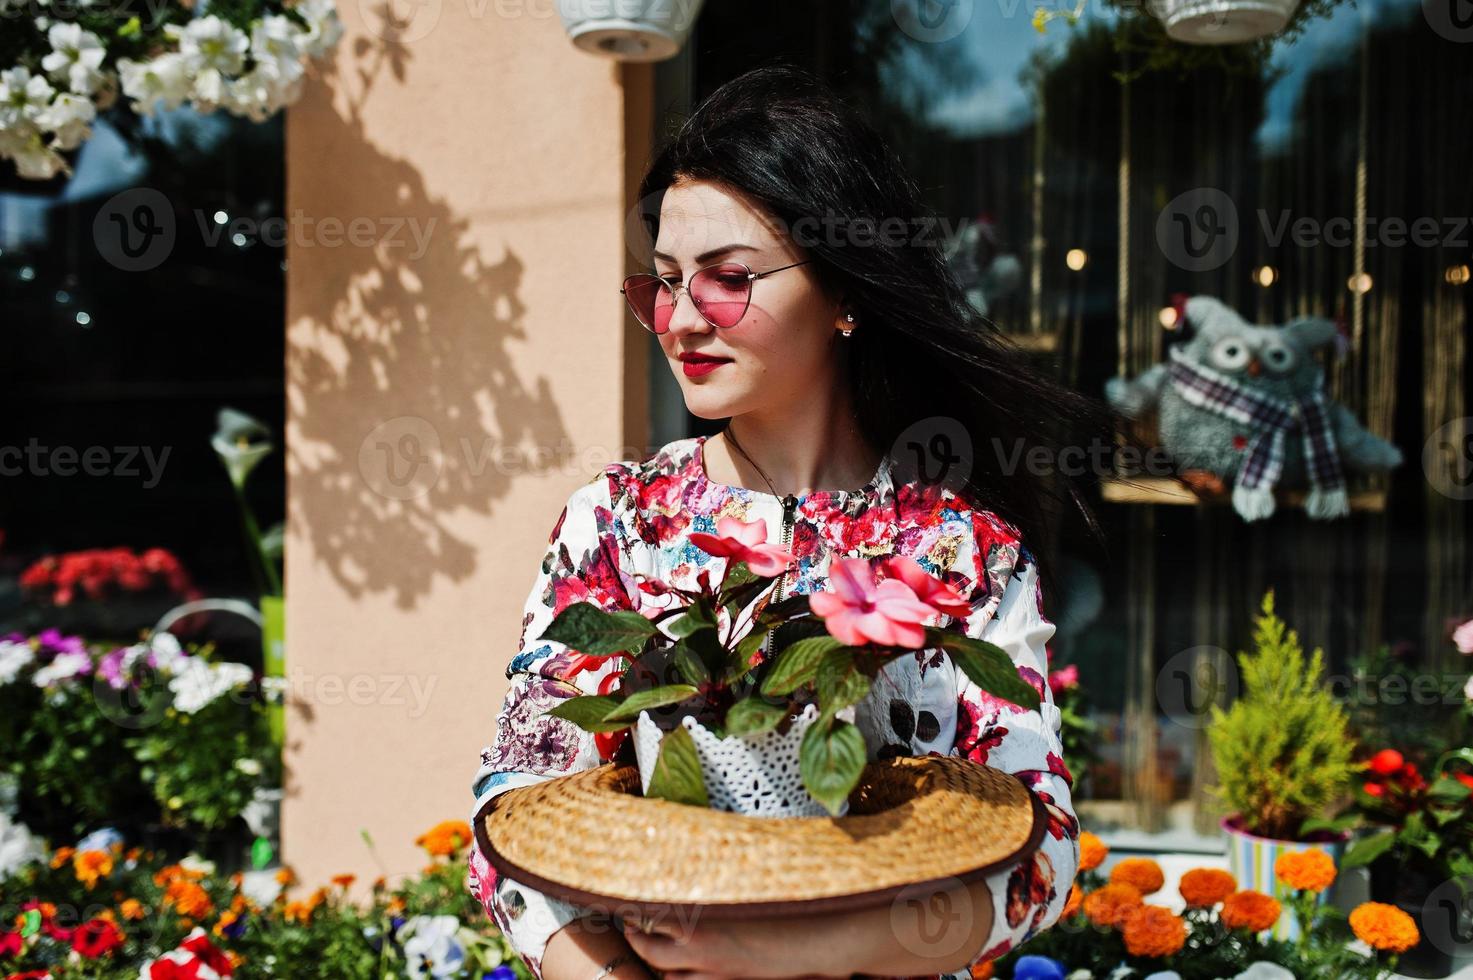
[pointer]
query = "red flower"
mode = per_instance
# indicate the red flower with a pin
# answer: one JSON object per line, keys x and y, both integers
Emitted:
{"x": 927, "y": 587}
{"x": 743, "y": 541}
{"x": 857, "y": 610}
{"x": 96, "y": 937}
{"x": 1374, "y": 789}
{"x": 199, "y": 944}
{"x": 10, "y": 943}
{"x": 1386, "y": 762}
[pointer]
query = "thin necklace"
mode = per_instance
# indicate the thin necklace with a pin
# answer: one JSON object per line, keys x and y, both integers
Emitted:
{"x": 738, "y": 447}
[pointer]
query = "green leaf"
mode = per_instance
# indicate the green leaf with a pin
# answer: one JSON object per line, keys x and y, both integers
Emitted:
{"x": 1336, "y": 826}
{"x": 840, "y": 683}
{"x": 677, "y": 776}
{"x": 1367, "y": 849}
{"x": 987, "y": 666}
{"x": 698, "y": 615}
{"x": 655, "y": 697}
{"x": 589, "y": 712}
{"x": 1449, "y": 790}
{"x": 752, "y": 715}
{"x": 592, "y": 631}
{"x": 831, "y": 758}
{"x": 690, "y": 665}
{"x": 795, "y": 666}
{"x": 261, "y": 853}
{"x": 737, "y": 574}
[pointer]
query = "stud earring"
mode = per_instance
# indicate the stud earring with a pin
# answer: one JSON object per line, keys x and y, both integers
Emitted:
{"x": 848, "y": 318}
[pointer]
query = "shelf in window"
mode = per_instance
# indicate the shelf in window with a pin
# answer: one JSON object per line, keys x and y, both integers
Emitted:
{"x": 1164, "y": 490}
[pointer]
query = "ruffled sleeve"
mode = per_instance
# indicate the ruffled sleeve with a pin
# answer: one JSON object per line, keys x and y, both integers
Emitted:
{"x": 1029, "y": 896}
{"x": 584, "y": 563}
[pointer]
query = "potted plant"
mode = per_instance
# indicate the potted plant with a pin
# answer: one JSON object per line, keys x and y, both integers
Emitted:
{"x": 731, "y": 692}
{"x": 1284, "y": 756}
{"x": 631, "y": 30}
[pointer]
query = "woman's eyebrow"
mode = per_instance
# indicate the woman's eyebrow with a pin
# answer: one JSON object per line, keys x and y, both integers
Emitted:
{"x": 710, "y": 254}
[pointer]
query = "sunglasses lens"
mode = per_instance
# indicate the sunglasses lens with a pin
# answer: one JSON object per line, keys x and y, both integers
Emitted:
{"x": 649, "y": 298}
{"x": 722, "y": 293}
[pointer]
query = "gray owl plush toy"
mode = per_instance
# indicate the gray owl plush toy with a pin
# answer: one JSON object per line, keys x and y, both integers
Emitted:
{"x": 1247, "y": 404}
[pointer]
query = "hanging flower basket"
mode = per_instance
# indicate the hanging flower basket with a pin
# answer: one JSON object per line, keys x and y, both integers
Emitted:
{"x": 1223, "y": 21}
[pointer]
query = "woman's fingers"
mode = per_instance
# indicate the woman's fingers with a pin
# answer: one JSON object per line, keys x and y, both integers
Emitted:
{"x": 665, "y": 953}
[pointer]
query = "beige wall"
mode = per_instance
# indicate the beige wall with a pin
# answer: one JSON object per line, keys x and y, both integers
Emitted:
{"x": 451, "y": 188}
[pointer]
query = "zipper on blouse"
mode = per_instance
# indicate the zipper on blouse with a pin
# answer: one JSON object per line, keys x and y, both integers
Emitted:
{"x": 790, "y": 506}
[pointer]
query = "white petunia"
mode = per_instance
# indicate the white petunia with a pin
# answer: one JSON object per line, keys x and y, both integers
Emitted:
{"x": 162, "y": 79}
{"x": 18, "y": 846}
{"x": 198, "y": 683}
{"x": 431, "y": 948}
{"x": 14, "y": 657}
{"x": 1263, "y": 970}
{"x": 76, "y": 57}
{"x": 261, "y": 887}
{"x": 23, "y": 97}
{"x": 63, "y": 668}
{"x": 100, "y": 840}
{"x": 324, "y": 27}
{"x": 69, "y": 117}
{"x": 210, "y": 44}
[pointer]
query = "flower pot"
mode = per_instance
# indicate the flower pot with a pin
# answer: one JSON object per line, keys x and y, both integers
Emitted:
{"x": 754, "y": 775}
{"x": 1251, "y": 859}
{"x": 1222, "y": 21}
{"x": 1434, "y": 903}
{"x": 629, "y": 30}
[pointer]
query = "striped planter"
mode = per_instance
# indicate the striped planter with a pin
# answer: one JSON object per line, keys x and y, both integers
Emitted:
{"x": 1251, "y": 859}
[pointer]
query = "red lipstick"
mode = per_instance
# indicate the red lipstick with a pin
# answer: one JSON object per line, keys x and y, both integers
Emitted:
{"x": 696, "y": 365}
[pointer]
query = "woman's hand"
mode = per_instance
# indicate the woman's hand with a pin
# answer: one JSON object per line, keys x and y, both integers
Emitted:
{"x": 926, "y": 933}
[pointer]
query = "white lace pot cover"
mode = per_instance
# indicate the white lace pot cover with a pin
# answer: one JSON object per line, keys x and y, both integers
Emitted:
{"x": 755, "y": 775}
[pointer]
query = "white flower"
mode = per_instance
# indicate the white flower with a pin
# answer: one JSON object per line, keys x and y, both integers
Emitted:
{"x": 249, "y": 767}
{"x": 163, "y": 79}
{"x": 23, "y": 97}
{"x": 64, "y": 667}
{"x": 210, "y": 44}
{"x": 100, "y": 840}
{"x": 1164, "y": 975}
{"x": 261, "y": 887}
{"x": 241, "y": 442}
{"x": 17, "y": 847}
{"x": 68, "y": 117}
{"x": 1263, "y": 970}
{"x": 193, "y": 862}
{"x": 199, "y": 682}
{"x": 1463, "y": 638}
{"x": 324, "y": 27}
{"x": 76, "y": 56}
{"x": 14, "y": 657}
{"x": 1468, "y": 689}
{"x": 277, "y": 41}
{"x": 1080, "y": 975}
{"x": 430, "y": 946}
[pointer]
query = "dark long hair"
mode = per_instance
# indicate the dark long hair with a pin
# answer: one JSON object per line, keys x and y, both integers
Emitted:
{"x": 920, "y": 350}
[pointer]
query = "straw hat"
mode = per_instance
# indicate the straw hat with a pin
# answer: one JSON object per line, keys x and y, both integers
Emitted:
{"x": 591, "y": 839}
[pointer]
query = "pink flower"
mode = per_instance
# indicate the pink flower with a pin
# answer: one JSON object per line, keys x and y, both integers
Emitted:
{"x": 927, "y": 587}
{"x": 740, "y": 541}
{"x": 859, "y": 611}
{"x": 1463, "y": 638}
{"x": 1063, "y": 680}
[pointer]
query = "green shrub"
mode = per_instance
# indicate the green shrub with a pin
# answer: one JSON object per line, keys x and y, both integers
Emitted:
{"x": 1283, "y": 750}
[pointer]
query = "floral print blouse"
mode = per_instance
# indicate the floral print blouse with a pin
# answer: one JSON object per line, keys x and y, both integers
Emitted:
{"x": 633, "y": 521}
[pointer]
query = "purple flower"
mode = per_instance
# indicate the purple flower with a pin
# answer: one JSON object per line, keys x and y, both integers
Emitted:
{"x": 112, "y": 668}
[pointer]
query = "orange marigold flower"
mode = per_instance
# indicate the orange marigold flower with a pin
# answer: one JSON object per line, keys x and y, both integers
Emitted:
{"x": 1152, "y": 930}
{"x": 133, "y": 854}
{"x": 1203, "y": 888}
{"x": 227, "y": 919}
{"x": 285, "y": 877}
{"x": 1092, "y": 851}
{"x": 1108, "y": 905}
{"x": 132, "y": 909}
{"x": 445, "y": 838}
{"x": 344, "y": 881}
{"x": 1075, "y": 900}
{"x": 1384, "y": 927}
{"x": 1143, "y": 873}
{"x": 188, "y": 898}
{"x": 1311, "y": 870}
{"x": 982, "y": 971}
{"x": 1250, "y": 910}
{"x": 62, "y": 856}
{"x": 91, "y": 866}
{"x": 298, "y": 912}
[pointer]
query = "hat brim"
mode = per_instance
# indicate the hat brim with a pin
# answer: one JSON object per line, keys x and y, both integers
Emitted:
{"x": 914, "y": 824}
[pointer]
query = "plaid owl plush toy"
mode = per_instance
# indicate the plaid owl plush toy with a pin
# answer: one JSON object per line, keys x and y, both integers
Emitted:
{"x": 1247, "y": 404}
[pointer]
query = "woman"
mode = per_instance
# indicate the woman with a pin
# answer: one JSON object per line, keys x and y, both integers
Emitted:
{"x": 828, "y": 347}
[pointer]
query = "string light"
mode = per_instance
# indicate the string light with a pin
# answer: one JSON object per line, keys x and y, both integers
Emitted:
{"x": 1076, "y": 259}
{"x": 1168, "y": 317}
{"x": 1457, "y": 275}
{"x": 1360, "y": 283}
{"x": 1265, "y": 275}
